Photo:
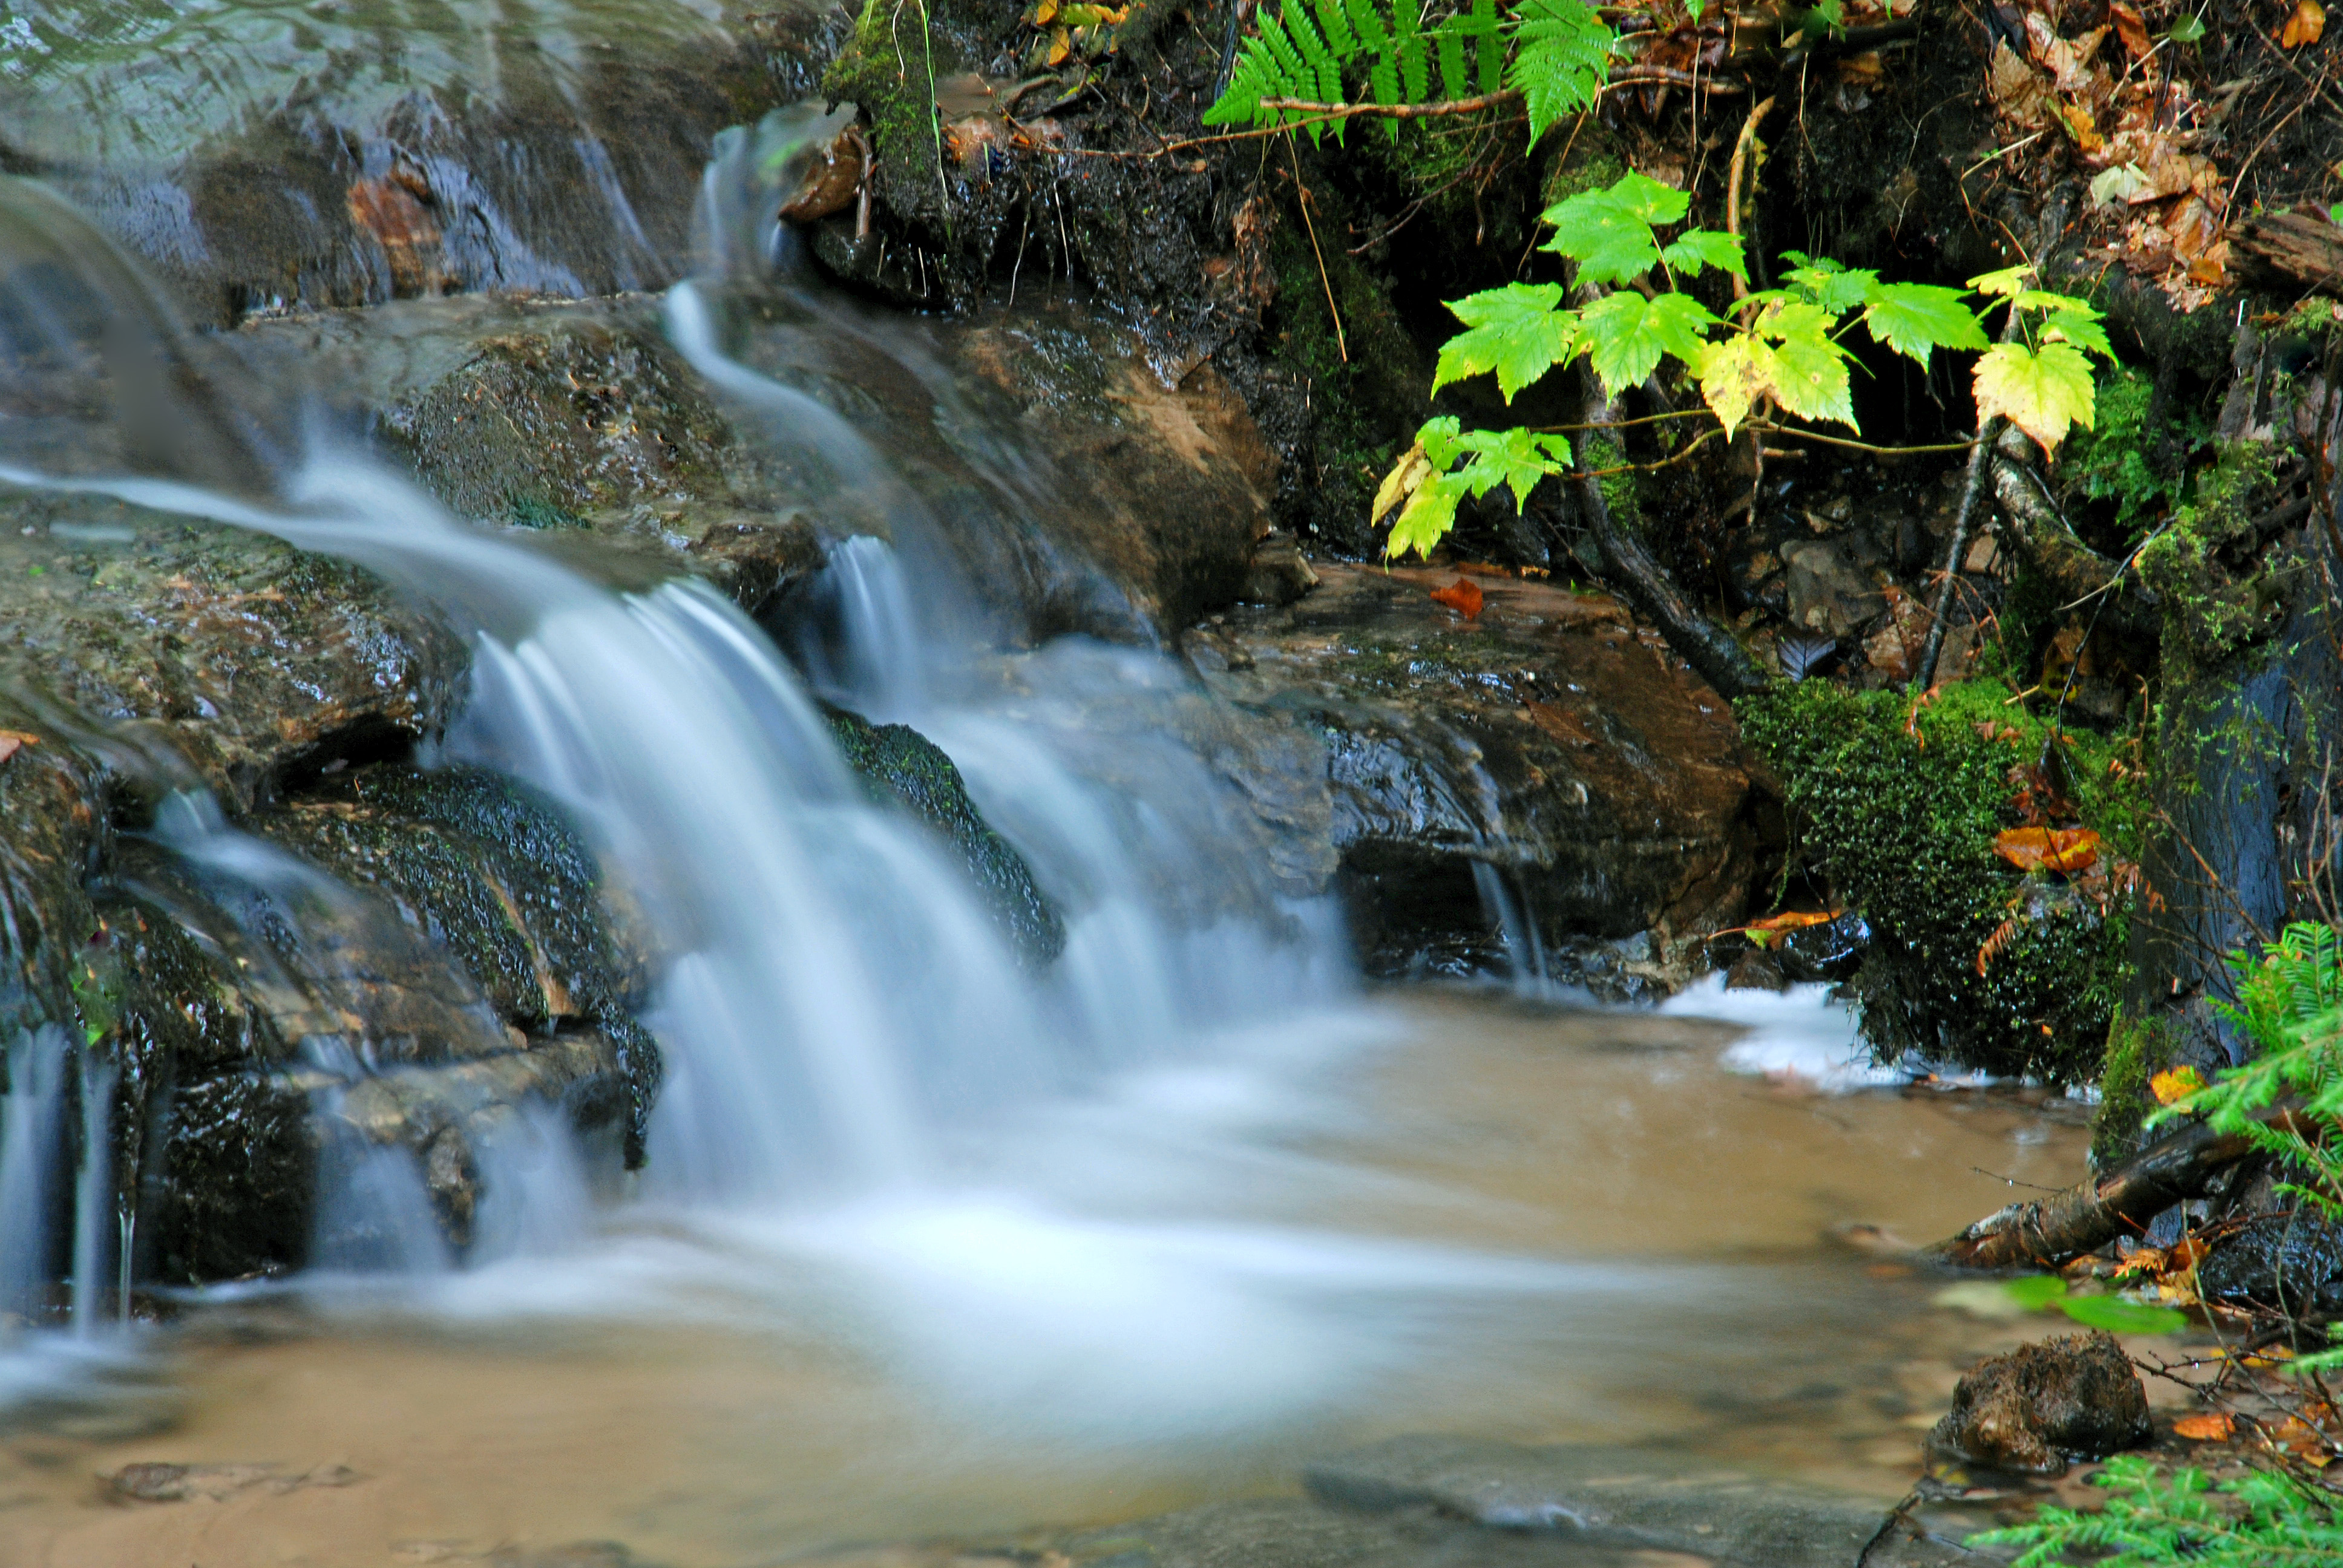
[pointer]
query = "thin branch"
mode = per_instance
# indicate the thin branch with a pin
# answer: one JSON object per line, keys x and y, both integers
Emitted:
{"x": 1773, "y": 429}
{"x": 1301, "y": 200}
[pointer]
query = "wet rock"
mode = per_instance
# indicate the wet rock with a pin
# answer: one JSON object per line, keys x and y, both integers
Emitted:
{"x": 574, "y": 421}
{"x": 239, "y": 654}
{"x": 1089, "y": 488}
{"x": 1831, "y": 950}
{"x": 257, "y": 159}
{"x": 2035, "y": 1408}
{"x": 1626, "y": 1499}
{"x": 1277, "y": 574}
{"x": 1545, "y": 742}
{"x": 1757, "y": 971}
{"x": 2293, "y": 1262}
{"x": 154, "y": 1483}
{"x": 1826, "y": 587}
{"x": 903, "y": 767}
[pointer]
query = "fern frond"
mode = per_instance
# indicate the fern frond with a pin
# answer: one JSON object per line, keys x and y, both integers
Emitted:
{"x": 1335, "y": 27}
{"x": 1488, "y": 48}
{"x": 1407, "y": 42}
{"x": 1449, "y": 43}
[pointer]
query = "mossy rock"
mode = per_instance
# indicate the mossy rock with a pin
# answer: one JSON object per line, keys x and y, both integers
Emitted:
{"x": 2137, "y": 1049}
{"x": 1900, "y": 821}
{"x": 901, "y": 767}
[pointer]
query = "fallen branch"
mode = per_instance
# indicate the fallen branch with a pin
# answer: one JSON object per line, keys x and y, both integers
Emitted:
{"x": 2087, "y": 1217}
{"x": 2308, "y": 251}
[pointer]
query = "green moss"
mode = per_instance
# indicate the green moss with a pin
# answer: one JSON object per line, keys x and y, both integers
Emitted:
{"x": 901, "y": 767}
{"x": 1903, "y": 831}
{"x": 2110, "y": 463}
{"x": 2217, "y": 596}
{"x": 2137, "y": 1049}
{"x": 884, "y": 70}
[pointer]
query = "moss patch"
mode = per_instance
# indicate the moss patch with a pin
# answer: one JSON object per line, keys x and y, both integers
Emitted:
{"x": 1901, "y": 829}
{"x": 2137, "y": 1049}
{"x": 901, "y": 767}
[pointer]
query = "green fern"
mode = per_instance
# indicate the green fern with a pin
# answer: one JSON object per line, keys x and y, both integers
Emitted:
{"x": 1555, "y": 53}
{"x": 2274, "y": 1522}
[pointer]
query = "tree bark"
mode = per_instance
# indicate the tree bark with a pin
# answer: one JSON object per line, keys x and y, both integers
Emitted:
{"x": 1712, "y": 651}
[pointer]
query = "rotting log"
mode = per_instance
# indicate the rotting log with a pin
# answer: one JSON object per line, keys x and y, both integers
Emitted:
{"x": 2087, "y": 1216}
{"x": 2305, "y": 250}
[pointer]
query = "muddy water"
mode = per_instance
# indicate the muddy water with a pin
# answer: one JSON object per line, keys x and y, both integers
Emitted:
{"x": 1667, "y": 1224}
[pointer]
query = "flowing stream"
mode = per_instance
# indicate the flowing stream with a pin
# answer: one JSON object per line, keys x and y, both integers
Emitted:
{"x": 930, "y": 1238}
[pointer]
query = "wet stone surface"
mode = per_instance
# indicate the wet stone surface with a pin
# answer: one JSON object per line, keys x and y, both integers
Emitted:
{"x": 1547, "y": 740}
{"x": 2031, "y": 1410}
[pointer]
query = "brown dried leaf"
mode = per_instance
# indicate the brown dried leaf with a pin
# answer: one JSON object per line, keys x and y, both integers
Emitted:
{"x": 2210, "y": 1427}
{"x": 2308, "y": 21}
{"x": 15, "y": 740}
{"x": 2017, "y": 91}
{"x": 2131, "y": 28}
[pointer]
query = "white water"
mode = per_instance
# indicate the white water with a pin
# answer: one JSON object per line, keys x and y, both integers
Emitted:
{"x": 1032, "y": 1193}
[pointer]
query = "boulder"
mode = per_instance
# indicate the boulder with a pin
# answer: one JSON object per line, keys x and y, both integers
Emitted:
{"x": 2291, "y": 1262}
{"x": 2035, "y": 1408}
{"x": 1546, "y": 740}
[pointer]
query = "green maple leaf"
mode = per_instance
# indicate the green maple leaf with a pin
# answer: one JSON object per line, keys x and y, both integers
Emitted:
{"x": 1808, "y": 371}
{"x": 1515, "y": 458}
{"x": 1834, "y": 287}
{"x": 1699, "y": 248}
{"x": 1563, "y": 53}
{"x": 1516, "y": 331}
{"x": 2041, "y": 393}
{"x": 1625, "y": 333}
{"x": 1913, "y": 319}
{"x": 2078, "y": 324}
{"x": 1430, "y": 513}
{"x": 1609, "y": 232}
{"x": 2009, "y": 280}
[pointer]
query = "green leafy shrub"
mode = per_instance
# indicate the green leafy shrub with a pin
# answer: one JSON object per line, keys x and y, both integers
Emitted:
{"x": 1903, "y": 830}
{"x": 2270, "y": 1521}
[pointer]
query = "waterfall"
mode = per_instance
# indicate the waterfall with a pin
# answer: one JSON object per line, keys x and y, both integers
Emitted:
{"x": 32, "y": 1163}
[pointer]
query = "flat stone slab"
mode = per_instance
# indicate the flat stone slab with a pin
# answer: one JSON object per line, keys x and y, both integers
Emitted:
{"x": 1627, "y": 1498}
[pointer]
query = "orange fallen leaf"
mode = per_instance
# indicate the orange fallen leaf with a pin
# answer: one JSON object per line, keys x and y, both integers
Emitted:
{"x": 2175, "y": 1083}
{"x": 2050, "y": 849}
{"x": 15, "y": 740}
{"x": 1462, "y": 595}
{"x": 2212, "y": 1427}
{"x": 1762, "y": 932}
{"x": 2132, "y": 28}
{"x": 2308, "y": 21}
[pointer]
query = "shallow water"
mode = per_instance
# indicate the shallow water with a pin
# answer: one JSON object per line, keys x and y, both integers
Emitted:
{"x": 1433, "y": 1213}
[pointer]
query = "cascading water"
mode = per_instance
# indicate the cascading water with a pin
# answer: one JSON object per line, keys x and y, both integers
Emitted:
{"x": 841, "y": 1022}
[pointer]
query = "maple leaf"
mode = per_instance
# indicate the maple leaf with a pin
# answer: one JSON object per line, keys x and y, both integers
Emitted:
{"x": 2304, "y": 27}
{"x": 2008, "y": 280}
{"x": 1809, "y": 370}
{"x": 1625, "y": 333}
{"x": 1912, "y": 318}
{"x": 2041, "y": 392}
{"x": 1412, "y": 470}
{"x": 1734, "y": 374}
{"x": 1516, "y": 459}
{"x": 1836, "y": 288}
{"x": 2175, "y": 1083}
{"x": 1609, "y": 232}
{"x": 1516, "y": 331}
{"x": 1698, "y": 247}
{"x": 1430, "y": 513}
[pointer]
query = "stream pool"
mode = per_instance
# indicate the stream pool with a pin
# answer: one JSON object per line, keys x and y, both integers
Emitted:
{"x": 1430, "y": 1211}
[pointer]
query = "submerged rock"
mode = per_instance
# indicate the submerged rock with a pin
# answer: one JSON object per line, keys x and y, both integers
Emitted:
{"x": 903, "y": 767}
{"x": 2041, "y": 1405}
{"x": 1545, "y": 742}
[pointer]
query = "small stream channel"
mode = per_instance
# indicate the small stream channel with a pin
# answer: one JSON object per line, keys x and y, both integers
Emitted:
{"x": 1438, "y": 1212}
